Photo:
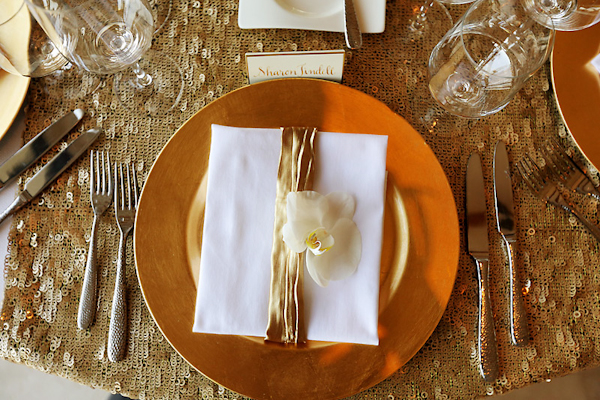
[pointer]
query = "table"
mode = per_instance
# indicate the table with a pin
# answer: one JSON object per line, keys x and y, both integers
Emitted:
{"x": 559, "y": 259}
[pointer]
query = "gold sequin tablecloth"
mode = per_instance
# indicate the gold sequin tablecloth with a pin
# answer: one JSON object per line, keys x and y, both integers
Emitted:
{"x": 558, "y": 261}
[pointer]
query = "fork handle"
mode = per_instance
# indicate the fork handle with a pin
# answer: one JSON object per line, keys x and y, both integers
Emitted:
{"x": 587, "y": 187}
{"x": 89, "y": 290}
{"x": 519, "y": 332}
{"x": 586, "y": 222}
{"x": 117, "y": 330}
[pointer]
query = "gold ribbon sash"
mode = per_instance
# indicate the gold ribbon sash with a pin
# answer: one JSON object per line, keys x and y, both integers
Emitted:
{"x": 286, "y": 303}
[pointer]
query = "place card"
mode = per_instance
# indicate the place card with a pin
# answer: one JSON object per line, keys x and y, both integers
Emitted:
{"x": 327, "y": 64}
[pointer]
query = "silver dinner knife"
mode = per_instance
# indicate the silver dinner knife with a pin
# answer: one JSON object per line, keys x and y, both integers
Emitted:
{"x": 37, "y": 146}
{"x": 52, "y": 170}
{"x": 478, "y": 245}
{"x": 507, "y": 226}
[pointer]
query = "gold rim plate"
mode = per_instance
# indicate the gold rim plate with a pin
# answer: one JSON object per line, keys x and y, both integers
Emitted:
{"x": 576, "y": 86}
{"x": 419, "y": 259}
{"x": 13, "y": 89}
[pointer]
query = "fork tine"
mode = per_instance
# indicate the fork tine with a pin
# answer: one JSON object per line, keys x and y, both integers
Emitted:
{"x": 531, "y": 173}
{"x": 103, "y": 174}
{"x": 557, "y": 160}
{"x": 108, "y": 175}
{"x": 117, "y": 187}
{"x": 560, "y": 153}
{"x": 92, "y": 184}
{"x": 97, "y": 170}
{"x": 122, "y": 186}
{"x": 128, "y": 187}
{"x": 524, "y": 171}
{"x": 135, "y": 185}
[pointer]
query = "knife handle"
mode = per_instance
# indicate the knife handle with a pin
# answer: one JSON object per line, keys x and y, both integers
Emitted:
{"x": 519, "y": 332}
{"x": 352, "y": 32}
{"x": 487, "y": 350}
{"x": 87, "y": 303}
{"x": 14, "y": 206}
{"x": 117, "y": 330}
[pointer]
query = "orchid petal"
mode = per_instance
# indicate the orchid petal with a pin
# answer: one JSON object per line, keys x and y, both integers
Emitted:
{"x": 297, "y": 244}
{"x": 305, "y": 212}
{"x": 341, "y": 205}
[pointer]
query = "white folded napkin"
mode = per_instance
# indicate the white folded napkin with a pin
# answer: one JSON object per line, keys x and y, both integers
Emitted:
{"x": 235, "y": 266}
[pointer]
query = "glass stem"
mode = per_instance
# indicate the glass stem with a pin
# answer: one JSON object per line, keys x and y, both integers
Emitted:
{"x": 142, "y": 79}
{"x": 420, "y": 19}
{"x": 422, "y": 16}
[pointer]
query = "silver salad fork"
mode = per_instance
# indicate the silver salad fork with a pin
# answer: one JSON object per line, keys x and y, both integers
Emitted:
{"x": 101, "y": 193}
{"x": 126, "y": 200}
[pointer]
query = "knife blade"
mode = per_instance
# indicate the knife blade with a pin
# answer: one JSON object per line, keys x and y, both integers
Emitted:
{"x": 506, "y": 225}
{"x": 478, "y": 247}
{"x": 52, "y": 170}
{"x": 37, "y": 146}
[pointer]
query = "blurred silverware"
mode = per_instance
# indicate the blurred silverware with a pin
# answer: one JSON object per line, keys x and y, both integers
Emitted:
{"x": 506, "y": 223}
{"x": 539, "y": 182}
{"x": 478, "y": 245}
{"x": 126, "y": 200}
{"x": 567, "y": 171}
{"x": 352, "y": 28}
{"x": 101, "y": 193}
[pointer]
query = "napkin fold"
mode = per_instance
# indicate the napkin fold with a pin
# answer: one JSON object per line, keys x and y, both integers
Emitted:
{"x": 235, "y": 266}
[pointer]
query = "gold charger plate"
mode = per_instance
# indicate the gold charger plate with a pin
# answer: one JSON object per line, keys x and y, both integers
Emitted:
{"x": 419, "y": 260}
{"x": 576, "y": 86}
{"x": 13, "y": 89}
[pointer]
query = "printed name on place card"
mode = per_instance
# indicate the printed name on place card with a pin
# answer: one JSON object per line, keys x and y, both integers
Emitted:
{"x": 328, "y": 65}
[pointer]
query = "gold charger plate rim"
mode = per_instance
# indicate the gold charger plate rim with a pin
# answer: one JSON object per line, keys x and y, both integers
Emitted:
{"x": 572, "y": 105}
{"x": 226, "y": 359}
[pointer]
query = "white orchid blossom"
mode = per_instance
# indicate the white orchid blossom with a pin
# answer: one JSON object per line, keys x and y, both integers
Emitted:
{"x": 324, "y": 225}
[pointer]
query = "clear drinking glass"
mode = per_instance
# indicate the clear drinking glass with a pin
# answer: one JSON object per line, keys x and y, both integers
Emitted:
{"x": 483, "y": 61}
{"x": 430, "y": 18}
{"x": 114, "y": 37}
{"x": 564, "y": 15}
{"x": 24, "y": 47}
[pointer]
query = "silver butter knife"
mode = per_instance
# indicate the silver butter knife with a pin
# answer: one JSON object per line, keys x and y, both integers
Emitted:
{"x": 478, "y": 245}
{"x": 52, "y": 170}
{"x": 37, "y": 146}
{"x": 507, "y": 226}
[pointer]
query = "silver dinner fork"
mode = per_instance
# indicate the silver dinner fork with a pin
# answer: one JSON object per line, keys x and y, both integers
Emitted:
{"x": 540, "y": 183}
{"x": 101, "y": 193}
{"x": 126, "y": 200}
{"x": 567, "y": 171}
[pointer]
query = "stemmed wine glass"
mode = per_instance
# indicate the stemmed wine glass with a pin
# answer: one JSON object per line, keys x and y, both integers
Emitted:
{"x": 114, "y": 37}
{"x": 483, "y": 61}
{"x": 26, "y": 50}
{"x": 564, "y": 15}
{"x": 429, "y": 21}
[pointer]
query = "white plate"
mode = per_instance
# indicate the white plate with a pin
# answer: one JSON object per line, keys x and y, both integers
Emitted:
{"x": 319, "y": 15}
